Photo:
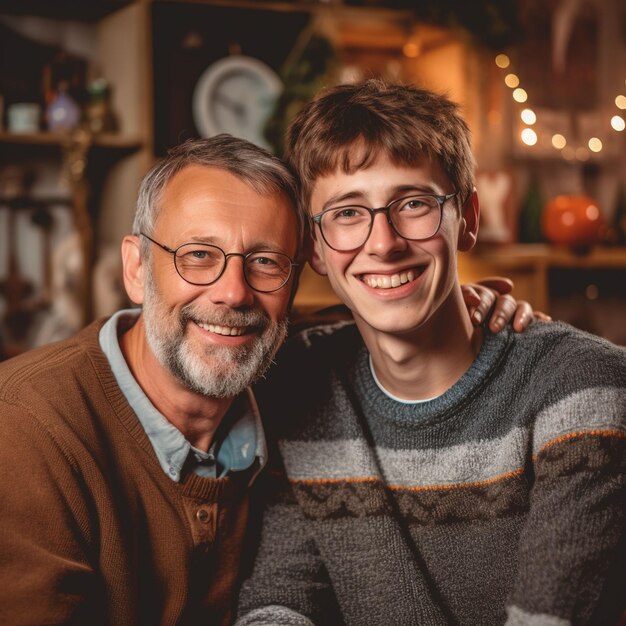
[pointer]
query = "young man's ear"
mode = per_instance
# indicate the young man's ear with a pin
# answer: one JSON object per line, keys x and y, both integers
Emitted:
{"x": 468, "y": 228}
{"x": 133, "y": 268}
{"x": 316, "y": 257}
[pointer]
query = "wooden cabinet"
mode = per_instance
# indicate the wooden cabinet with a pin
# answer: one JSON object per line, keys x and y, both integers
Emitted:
{"x": 587, "y": 290}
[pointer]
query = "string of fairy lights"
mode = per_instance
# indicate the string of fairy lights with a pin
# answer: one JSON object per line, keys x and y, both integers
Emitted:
{"x": 568, "y": 149}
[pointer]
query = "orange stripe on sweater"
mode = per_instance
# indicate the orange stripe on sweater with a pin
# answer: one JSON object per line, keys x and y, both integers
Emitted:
{"x": 487, "y": 481}
{"x": 581, "y": 433}
{"x": 375, "y": 479}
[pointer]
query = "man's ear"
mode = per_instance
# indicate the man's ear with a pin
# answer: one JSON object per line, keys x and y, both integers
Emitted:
{"x": 133, "y": 268}
{"x": 468, "y": 228}
{"x": 316, "y": 259}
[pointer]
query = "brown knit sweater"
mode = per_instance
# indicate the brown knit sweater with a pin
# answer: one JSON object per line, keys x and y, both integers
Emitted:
{"x": 92, "y": 531}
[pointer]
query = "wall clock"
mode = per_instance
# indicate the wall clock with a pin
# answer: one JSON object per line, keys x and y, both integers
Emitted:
{"x": 236, "y": 95}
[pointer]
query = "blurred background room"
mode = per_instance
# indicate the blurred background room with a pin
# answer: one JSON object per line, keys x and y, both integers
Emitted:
{"x": 93, "y": 91}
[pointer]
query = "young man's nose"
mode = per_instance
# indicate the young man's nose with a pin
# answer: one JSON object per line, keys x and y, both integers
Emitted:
{"x": 383, "y": 238}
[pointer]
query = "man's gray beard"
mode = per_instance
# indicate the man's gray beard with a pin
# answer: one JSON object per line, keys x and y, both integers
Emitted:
{"x": 228, "y": 370}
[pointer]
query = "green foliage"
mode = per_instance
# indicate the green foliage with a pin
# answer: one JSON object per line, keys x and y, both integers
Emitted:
{"x": 493, "y": 23}
{"x": 303, "y": 76}
{"x": 529, "y": 230}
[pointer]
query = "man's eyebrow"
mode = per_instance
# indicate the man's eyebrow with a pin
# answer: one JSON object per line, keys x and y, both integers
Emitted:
{"x": 256, "y": 246}
{"x": 357, "y": 195}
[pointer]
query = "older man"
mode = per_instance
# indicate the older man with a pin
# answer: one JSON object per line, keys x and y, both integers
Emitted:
{"x": 127, "y": 452}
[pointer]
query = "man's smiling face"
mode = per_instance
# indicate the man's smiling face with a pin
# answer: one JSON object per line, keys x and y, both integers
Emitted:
{"x": 391, "y": 284}
{"x": 216, "y": 338}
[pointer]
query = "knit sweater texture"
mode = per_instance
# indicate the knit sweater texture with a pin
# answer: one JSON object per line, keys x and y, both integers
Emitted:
{"x": 92, "y": 531}
{"x": 501, "y": 501}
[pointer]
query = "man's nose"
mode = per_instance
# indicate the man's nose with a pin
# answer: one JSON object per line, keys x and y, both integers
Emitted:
{"x": 231, "y": 287}
{"x": 383, "y": 239}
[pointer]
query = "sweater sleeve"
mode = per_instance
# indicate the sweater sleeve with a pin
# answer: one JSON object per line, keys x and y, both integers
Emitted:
{"x": 571, "y": 555}
{"x": 45, "y": 573}
{"x": 288, "y": 584}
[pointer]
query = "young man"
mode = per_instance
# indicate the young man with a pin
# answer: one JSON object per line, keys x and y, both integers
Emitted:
{"x": 433, "y": 472}
{"x": 127, "y": 452}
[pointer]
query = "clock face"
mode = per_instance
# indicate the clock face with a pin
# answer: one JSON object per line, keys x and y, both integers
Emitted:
{"x": 236, "y": 95}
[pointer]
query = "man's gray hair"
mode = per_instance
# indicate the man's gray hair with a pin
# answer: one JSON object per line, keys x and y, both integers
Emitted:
{"x": 255, "y": 166}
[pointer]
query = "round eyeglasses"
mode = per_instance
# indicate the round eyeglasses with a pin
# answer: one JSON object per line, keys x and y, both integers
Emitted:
{"x": 203, "y": 264}
{"x": 416, "y": 218}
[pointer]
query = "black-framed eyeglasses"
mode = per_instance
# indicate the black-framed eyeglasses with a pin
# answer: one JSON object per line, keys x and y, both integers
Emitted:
{"x": 202, "y": 264}
{"x": 416, "y": 217}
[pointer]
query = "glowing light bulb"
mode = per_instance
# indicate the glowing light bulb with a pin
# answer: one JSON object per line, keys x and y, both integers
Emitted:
{"x": 620, "y": 102}
{"x": 595, "y": 145}
{"x": 528, "y": 116}
{"x": 558, "y": 141}
{"x": 502, "y": 61}
{"x": 582, "y": 154}
{"x": 529, "y": 136}
{"x": 592, "y": 212}
{"x": 618, "y": 123}
{"x": 511, "y": 80}
{"x": 520, "y": 95}
{"x": 411, "y": 50}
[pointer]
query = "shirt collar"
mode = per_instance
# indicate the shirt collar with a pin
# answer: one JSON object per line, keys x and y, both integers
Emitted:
{"x": 237, "y": 449}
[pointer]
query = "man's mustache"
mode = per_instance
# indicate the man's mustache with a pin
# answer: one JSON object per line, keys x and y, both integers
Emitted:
{"x": 224, "y": 316}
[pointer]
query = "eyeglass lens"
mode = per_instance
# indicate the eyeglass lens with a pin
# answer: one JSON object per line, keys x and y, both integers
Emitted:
{"x": 202, "y": 264}
{"x": 348, "y": 227}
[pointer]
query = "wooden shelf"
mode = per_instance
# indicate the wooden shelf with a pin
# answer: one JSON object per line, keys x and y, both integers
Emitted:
{"x": 109, "y": 140}
{"x": 529, "y": 265}
{"x": 522, "y": 254}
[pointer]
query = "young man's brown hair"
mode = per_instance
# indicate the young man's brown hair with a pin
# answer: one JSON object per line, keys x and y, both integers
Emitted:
{"x": 401, "y": 121}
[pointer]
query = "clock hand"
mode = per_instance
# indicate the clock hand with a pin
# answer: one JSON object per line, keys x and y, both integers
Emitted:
{"x": 236, "y": 107}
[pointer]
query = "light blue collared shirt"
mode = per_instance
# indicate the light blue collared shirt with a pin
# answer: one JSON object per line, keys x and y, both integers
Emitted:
{"x": 236, "y": 450}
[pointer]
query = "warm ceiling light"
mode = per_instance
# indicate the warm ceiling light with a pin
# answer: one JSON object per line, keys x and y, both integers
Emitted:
{"x": 620, "y": 102}
{"x": 520, "y": 95}
{"x": 618, "y": 123}
{"x": 595, "y": 145}
{"x": 410, "y": 50}
{"x": 511, "y": 80}
{"x": 582, "y": 154}
{"x": 558, "y": 141}
{"x": 592, "y": 212}
{"x": 502, "y": 61}
{"x": 528, "y": 116}
{"x": 529, "y": 136}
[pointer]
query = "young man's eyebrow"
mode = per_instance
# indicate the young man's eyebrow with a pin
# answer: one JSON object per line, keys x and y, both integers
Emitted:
{"x": 342, "y": 198}
{"x": 357, "y": 195}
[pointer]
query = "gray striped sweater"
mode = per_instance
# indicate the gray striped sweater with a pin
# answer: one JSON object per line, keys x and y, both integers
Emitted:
{"x": 501, "y": 501}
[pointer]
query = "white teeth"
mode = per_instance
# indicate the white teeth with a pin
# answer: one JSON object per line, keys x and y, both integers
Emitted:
{"x": 389, "y": 281}
{"x": 223, "y": 330}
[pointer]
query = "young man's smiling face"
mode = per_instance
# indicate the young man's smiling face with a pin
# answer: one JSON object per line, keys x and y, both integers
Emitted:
{"x": 391, "y": 284}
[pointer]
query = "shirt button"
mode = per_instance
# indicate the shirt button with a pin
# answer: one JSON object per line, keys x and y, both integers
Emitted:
{"x": 172, "y": 471}
{"x": 202, "y": 515}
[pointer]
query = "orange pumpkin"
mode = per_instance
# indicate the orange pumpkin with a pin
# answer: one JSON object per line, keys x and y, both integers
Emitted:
{"x": 573, "y": 220}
